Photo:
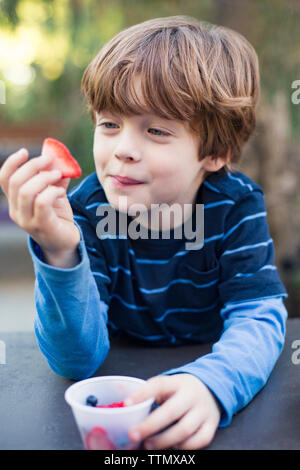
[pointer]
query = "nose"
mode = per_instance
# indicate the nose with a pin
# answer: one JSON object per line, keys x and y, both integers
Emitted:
{"x": 127, "y": 147}
{"x": 127, "y": 158}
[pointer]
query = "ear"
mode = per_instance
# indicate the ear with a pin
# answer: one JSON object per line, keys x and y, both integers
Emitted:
{"x": 211, "y": 163}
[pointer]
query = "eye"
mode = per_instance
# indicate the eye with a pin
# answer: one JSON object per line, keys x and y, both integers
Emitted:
{"x": 161, "y": 133}
{"x": 157, "y": 132}
{"x": 105, "y": 123}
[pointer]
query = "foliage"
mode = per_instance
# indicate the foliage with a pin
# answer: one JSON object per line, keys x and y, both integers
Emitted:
{"x": 49, "y": 43}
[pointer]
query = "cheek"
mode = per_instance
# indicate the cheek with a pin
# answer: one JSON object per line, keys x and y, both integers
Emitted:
{"x": 100, "y": 155}
{"x": 164, "y": 168}
{"x": 165, "y": 181}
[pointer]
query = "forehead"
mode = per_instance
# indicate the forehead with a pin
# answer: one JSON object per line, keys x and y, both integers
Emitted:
{"x": 180, "y": 126}
{"x": 136, "y": 95}
{"x": 142, "y": 116}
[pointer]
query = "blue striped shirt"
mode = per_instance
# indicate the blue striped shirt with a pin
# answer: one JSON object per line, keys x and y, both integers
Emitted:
{"x": 228, "y": 292}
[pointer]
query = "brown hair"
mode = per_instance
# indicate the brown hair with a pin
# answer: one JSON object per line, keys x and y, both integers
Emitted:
{"x": 204, "y": 74}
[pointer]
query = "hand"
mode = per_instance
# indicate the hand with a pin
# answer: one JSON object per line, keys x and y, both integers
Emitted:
{"x": 38, "y": 202}
{"x": 187, "y": 401}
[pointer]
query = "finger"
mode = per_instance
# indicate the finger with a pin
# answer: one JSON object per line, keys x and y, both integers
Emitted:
{"x": 160, "y": 387}
{"x": 200, "y": 439}
{"x": 29, "y": 191}
{"x": 43, "y": 210}
{"x": 10, "y": 166}
{"x": 23, "y": 174}
{"x": 63, "y": 182}
{"x": 166, "y": 414}
{"x": 179, "y": 432}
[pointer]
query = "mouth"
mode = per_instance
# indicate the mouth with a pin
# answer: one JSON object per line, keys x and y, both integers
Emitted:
{"x": 124, "y": 181}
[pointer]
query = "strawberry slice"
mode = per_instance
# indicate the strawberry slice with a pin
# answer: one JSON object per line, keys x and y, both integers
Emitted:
{"x": 97, "y": 439}
{"x": 119, "y": 404}
{"x": 62, "y": 159}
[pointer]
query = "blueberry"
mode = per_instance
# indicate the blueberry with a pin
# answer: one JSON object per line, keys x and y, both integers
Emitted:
{"x": 91, "y": 400}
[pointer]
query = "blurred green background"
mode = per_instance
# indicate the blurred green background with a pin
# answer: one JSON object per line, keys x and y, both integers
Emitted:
{"x": 45, "y": 46}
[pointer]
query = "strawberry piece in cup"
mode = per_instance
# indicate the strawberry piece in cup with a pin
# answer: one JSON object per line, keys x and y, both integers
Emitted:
{"x": 91, "y": 400}
{"x": 119, "y": 404}
{"x": 62, "y": 158}
{"x": 97, "y": 439}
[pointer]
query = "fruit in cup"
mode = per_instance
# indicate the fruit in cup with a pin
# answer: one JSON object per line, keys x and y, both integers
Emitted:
{"x": 97, "y": 439}
{"x": 92, "y": 401}
{"x": 62, "y": 158}
{"x": 119, "y": 404}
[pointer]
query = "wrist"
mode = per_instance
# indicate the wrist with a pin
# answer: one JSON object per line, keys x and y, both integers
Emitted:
{"x": 64, "y": 260}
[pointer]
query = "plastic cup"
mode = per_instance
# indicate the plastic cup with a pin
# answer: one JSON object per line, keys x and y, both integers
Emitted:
{"x": 107, "y": 428}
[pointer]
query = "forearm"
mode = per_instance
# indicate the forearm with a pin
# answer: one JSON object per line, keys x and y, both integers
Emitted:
{"x": 71, "y": 318}
{"x": 243, "y": 358}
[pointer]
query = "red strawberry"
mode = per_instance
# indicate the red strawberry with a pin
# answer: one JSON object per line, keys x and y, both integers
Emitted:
{"x": 62, "y": 159}
{"x": 97, "y": 439}
{"x": 119, "y": 404}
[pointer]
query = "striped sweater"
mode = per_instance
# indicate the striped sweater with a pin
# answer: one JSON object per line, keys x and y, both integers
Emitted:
{"x": 228, "y": 292}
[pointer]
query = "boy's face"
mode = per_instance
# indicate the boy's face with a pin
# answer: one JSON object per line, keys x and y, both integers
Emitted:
{"x": 161, "y": 154}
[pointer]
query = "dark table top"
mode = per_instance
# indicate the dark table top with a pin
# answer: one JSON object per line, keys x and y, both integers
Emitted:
{"x": 34, "y": 414}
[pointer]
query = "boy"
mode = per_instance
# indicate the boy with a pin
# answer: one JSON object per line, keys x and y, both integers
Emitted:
{"x": 173, "y": 101}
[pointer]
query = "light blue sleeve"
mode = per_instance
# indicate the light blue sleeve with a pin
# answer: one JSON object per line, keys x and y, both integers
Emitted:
{"x": 71, "y": 320}
{"x": 243, "y": 358}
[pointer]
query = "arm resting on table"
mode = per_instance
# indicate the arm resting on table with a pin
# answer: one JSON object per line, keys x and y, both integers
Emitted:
{"x": 242, "y": 360}
{"x": 71, "y": 319}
